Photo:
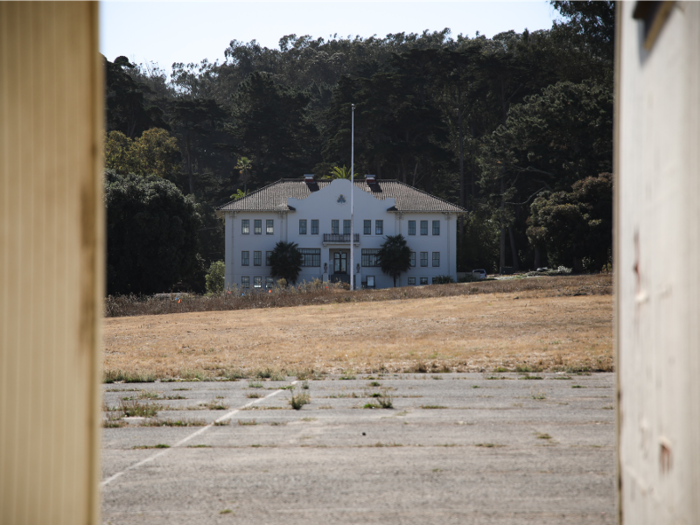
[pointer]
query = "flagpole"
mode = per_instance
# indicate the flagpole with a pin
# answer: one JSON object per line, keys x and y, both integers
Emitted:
{"x": 352, "y": 202}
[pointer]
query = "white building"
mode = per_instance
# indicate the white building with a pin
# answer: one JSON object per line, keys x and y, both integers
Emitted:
{"x": 316, "y": 216}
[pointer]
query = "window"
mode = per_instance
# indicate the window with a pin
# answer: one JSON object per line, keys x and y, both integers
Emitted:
{"x": 424, "y": 227}
{"x": 335, "y": 227}
{"x": 257, "y": 258}
{"x": 258, "y": 227}
{"x": 424, "y": 258}
{"x": 411, "y": 227}
{"x": 245, "y": 258}
{"x": 302, "y": 226}
{"x": 245, "y": 226}
{"x": 436, "y": 227}
{"x": 370, "y": 281}
{"x": 412, "y": 281}
{"x": 314, "y": 226}
{"x": 413, "y": 259}
{"x": 424, "y": 280}
{"x": 436, "y": 259}
{"x": 346, "y": 227}
{"x": 270, "y": 226}
{"x": 379, "y": 227}
{"x": 245, "y": 282}
{"x": 310, "y": 257}
{"x": 267, "y": 258}
{"x": 370, "y": 257}
{"x": 269, "y": 282}
{"x": 257, "y": 281}
{"x": 368, "y": 228}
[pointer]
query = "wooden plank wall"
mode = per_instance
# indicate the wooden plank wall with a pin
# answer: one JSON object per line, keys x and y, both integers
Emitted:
{"x": 657, "y": 246}
{"x": 51, "y": 262}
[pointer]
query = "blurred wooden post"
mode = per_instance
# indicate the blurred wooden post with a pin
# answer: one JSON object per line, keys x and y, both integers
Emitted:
{"x": 657, "y": 251}
{"x": 51, "y": 262}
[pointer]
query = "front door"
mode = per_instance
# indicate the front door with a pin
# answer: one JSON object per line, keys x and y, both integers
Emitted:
{"x": 340, "y": 262}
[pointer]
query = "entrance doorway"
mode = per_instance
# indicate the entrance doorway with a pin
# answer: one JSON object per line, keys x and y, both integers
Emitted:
{"x": 340, "y": 263}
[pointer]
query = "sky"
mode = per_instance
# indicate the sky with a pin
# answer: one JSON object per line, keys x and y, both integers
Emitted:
{"x": 168, "y": 32}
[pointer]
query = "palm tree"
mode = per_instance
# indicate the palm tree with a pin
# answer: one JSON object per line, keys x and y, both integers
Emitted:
{"x": 244, "y": 166}
{"x": 285, "y": 261}
{"x": 340, "y": 173}
{"x": 239, "y": 194}
{"x": 394, "y": 256}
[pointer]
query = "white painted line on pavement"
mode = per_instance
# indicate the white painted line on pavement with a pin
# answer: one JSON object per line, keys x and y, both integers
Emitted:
{"x": 188, "y": 438}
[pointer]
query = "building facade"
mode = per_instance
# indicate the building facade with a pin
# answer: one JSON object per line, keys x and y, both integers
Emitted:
{"x": 316, "y": 216}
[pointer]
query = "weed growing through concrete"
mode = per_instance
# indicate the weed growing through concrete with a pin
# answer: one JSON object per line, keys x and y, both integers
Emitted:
{"x": 432, "y": 407}
{"x": 247, "y": 422}
{"x": 528, "y": 376}
{"x": 348, "y": 375}
{"x": 542, "y": 435}
{"x": 577, "y": 386}
{"x": 173, "y": 423}
{"x": 500, "y": 370}
{"x": 489, "y": 445}
{"x": 136, "y": 409}
{"x": 435, "y": 377}
{"x": 224, "y": 423}
{"x": 181, "y": 389}
{"x": 199, "y": 446}
{"x": 255, "y": 385}
{"x": 375, "y": 383}
{"x": 113, "y": 424}
{"x": 383, "y": 400}
{"x": 160, "y": 445}
{"x": 227, "y": 511}
{"x": 299, "y": 400}
{"x": 278, "y": 423}
{"x": 476, "y": 386}
{"x": 254, "y": 395}
{"x": 214, "y": 405}
{"x": 538, "y": 396}
{"x": 305, "y": 385}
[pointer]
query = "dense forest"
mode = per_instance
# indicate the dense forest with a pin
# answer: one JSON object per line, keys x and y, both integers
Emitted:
{"x": 516, "y": 128}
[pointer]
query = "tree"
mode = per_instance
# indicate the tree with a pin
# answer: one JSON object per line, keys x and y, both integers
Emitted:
{"x": 269, "y": 125}
{"x": 244, "y": 165}
{"x": 394, "y": 256}
{"x": 339, "y": 172}
{"x": 285, "y": 261}
{"x": 155, "y": 152}
{"x": 215, "y": 278}
{"x": 151, "y": 235}
{"x": 127, "y": 109}
{"x": 575, "y": 226}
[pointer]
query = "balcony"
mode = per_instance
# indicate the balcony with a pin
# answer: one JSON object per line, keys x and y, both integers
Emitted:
{"x": 339, "y": 238}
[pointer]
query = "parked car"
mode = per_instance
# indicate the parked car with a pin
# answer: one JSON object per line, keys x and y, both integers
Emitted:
{"x": 479, "y": 274}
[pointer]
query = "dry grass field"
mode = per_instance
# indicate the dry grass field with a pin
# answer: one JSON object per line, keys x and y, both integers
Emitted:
{"x": 561, "y": 323}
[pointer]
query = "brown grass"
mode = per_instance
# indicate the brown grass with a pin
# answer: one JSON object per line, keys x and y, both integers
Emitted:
{"x": 526, "y": 325}
{"x": 312, "y": 294}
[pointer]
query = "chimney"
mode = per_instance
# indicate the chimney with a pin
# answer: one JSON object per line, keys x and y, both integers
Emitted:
{"x": 370, "y": 179}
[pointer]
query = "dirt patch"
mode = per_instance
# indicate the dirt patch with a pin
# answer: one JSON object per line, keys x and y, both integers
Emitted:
{"x": 526, "y": 330}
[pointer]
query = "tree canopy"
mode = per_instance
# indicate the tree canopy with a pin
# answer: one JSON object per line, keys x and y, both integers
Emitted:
{"x": 491, "y": 124}
{"x": 151, "y": 235}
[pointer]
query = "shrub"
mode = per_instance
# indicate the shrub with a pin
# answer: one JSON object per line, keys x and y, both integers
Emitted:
{"x": 215, "y": 278}
{"x": 443, "y": 279}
